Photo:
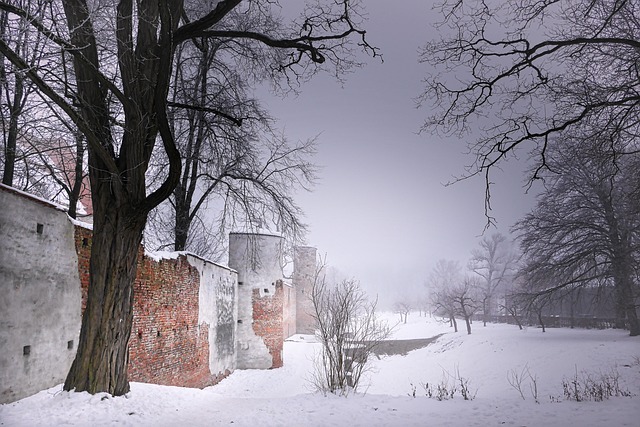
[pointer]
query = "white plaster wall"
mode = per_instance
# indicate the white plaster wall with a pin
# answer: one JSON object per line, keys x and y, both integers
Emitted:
{"x": 304, "y": 270}
{"x": 218, "y": 307}
{"x": 40, "y": 297}
{"x": 257, "y": 259}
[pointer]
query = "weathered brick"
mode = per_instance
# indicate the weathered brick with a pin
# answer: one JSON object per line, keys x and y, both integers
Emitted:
{"x": 167, "y": 345}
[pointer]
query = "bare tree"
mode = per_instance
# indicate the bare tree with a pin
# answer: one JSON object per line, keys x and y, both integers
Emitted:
{"x": 233, "y": 160}
{"x": 15, "y": 88}
{"x": 43, "y": 153}
{"x": 584, "y": 230}
{"x": 403, "y": 308}
{"x": 424, "y": 306}
{"x": 493, "y": 262}
{"x": 520, "y": 72}
{"x": 445, "y": 275}
{"x": 463, "y": 298}
{"x": 349, "y": 331}
{"x": 513, "y": 304}
{"x": 123, "y": 55}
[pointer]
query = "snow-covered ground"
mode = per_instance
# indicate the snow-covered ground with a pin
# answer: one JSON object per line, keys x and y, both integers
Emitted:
{"x": 283, "y": 397}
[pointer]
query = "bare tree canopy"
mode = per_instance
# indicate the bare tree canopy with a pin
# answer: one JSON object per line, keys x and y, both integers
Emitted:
{"x": 122, "y": 56}
{"x": 517, "y": 73}
{"x": 493, "y": 261}
{"x": 585, "y": 229}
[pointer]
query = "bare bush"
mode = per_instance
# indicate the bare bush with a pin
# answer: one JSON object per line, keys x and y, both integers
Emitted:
{"x": 349, "y": 332}
{"x": 592, "y": 387}
{"x": 447, "y": 388}
{"x": 517, "y": 380}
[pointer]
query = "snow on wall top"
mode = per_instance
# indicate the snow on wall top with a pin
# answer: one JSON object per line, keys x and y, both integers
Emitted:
{"x": 45, "y": 202}
{"x": 158, "y": 256}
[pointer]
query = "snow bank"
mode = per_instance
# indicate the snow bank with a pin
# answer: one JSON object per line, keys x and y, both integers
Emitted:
{"x": 284, "y": 397}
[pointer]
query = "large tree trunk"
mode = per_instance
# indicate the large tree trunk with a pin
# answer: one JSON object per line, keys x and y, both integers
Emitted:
{"x": 621, "y": 264}
{"x": 101, "y": 361}
{"x": 118, "y": 185}
{"x": 625, "y": 297}
{"x": 75, "y": 184}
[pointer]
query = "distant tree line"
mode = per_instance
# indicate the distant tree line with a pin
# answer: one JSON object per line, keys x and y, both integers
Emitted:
{"x": 568, "y": 98}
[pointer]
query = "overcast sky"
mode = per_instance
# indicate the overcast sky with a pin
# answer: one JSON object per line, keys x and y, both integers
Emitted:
{"x": 381, "y": 211}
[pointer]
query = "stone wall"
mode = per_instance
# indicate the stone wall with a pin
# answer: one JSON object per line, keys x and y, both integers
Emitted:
{"x": 174, "y": 338}
{"x": 194, "y": 321}
{"x": 39, "y": 295}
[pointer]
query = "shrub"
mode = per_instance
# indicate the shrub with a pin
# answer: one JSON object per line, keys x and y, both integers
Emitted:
{"x": 447, "y": 387}
{"x": 592, "y": 387}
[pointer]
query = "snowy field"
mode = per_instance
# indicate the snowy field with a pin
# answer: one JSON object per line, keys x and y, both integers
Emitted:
{"x": 284, "y": 397}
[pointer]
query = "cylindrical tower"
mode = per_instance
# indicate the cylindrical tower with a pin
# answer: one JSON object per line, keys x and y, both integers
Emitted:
{"x": 304, "y": 272}
{"x": 257, "y": 259}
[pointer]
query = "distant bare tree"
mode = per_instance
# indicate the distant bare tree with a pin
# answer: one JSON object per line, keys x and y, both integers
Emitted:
{"x": 463, "y": 298}
{"x": 403, "y": 308}
{"x": 15, "y": 88}
{"x": 513, "y": 305}
{"x": 445, "y": 276}
{"x": 493, "y": 262}
{"x": 424, "y": 306}
{"x": 349, "y": 331}
{"x": 43, "y": 152}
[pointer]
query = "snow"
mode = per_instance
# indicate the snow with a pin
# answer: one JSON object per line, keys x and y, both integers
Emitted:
{"x": 158, "y": 256}
{"x": 284, "y": 397}
{"x": 79, "y": 223}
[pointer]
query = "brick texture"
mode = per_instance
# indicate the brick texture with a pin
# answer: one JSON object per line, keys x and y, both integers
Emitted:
{"x": 267, "y": 321}
{"x": 167, "y": 345}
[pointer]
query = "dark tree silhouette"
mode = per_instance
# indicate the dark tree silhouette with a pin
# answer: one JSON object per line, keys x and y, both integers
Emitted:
{"x": 585, "y": 228}
{"x": 518, "y": 73}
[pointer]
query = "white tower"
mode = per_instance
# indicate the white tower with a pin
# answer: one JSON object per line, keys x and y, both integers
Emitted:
{"x": 304, "y": 272}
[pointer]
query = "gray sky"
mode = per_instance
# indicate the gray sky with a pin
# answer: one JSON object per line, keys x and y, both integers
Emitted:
{"x": 381, "y": 212}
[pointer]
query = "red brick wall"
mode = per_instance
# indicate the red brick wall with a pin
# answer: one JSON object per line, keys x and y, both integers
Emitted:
{"x": 83, "y": 249}
{"x": 267, "y": 321}
{"x": 167, "y": 346}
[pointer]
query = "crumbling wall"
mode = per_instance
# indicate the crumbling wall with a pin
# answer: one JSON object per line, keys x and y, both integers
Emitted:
{"x": 168, "y": 345}
{"x": 173, "y": 339}
{"x": 267, "y": 321}
{"x": 218, "y": 307}
{"x": 257, "y": 258}
{"x": 194, "y": 321}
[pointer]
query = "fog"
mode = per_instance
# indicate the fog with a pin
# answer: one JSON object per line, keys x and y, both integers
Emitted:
{"x": 382, "y": 212}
